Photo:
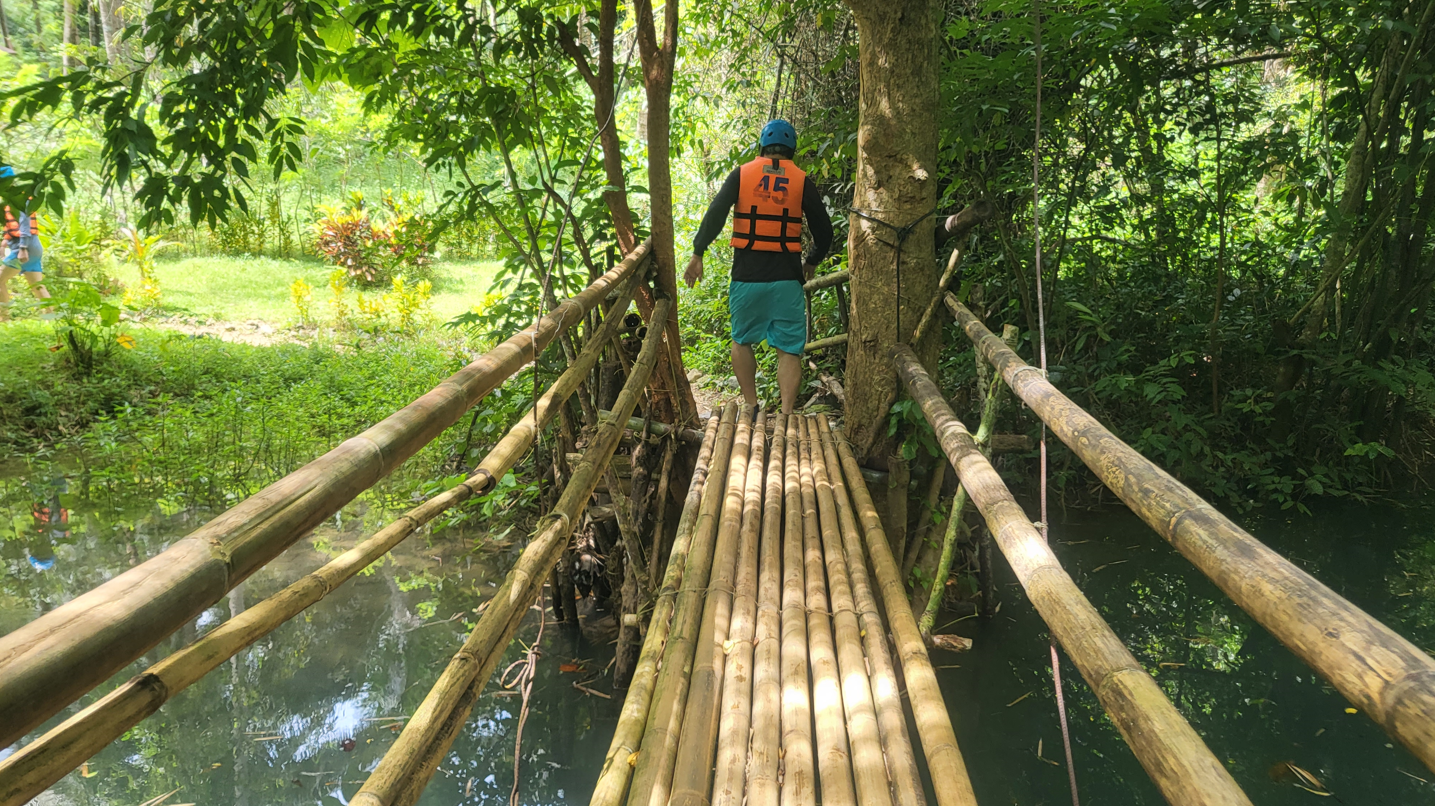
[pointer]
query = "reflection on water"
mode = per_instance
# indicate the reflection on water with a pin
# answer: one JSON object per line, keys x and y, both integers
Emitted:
{"x": 304, "y": 715}
{"x": 1256, "y": 705}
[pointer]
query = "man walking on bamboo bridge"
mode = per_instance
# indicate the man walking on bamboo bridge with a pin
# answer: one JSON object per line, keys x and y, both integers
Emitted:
{"x": 765, "y": 299}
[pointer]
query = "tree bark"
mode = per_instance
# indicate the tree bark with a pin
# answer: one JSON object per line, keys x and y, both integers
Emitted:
{"x": 67, "y": 37}
{"x": 5, "y": 29}
{"x": 111, "y": 28}
{"x": 658, "y": 59}
{"x": 895, "y": 184}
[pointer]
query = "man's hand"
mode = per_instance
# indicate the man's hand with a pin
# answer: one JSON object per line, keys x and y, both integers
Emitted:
{"x": 694, "y": 274}
{"x": 808, "y": 272}
{"x": 24, "y": 254}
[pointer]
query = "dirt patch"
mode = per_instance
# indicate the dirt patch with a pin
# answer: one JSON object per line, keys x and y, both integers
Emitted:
{"x": 255, "y": 332}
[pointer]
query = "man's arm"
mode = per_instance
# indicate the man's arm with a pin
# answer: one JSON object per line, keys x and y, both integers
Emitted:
{"x": 715, "y": 219}
{"x": 819, "y": 224}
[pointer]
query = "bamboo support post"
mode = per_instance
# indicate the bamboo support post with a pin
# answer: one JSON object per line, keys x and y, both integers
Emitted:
{"x": 834, "y": 760}
{"x": 44, "y": 761}
{"x": 822, "y": 344}
{"x": 613, "y": 780}
{"x": 869, "y": 768}
{"x": 928, "y": 315}
{"x": 886, "y": 694}
{"x": 1179, "y": 763}
{"x": 653, "y": 773}
{"x": 48, "y": 663}
{"x": 402, "y": 765}
{"x": 693, "y": 764}
{"x": 660, "y": 503}
{"x": 950, "y": 781}
{"x": 799, "y": 780}
{"x": 1381, "y": 673}
{"x": 990, "y": 409}
{"x": 927, "y": 519}
{"x": 827, "y": 281}
{"x": 765, "y": 751}
{"x": 735, "y": 714}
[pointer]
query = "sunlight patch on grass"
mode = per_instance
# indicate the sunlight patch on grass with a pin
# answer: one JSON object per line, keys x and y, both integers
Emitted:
{"x": 244, "y": 288}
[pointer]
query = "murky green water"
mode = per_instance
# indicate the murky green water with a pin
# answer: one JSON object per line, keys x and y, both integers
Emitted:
{"x": 271, "y": 726}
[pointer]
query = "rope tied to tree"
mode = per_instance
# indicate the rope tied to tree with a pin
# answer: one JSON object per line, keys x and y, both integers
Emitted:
{"x": 902, "y": 232}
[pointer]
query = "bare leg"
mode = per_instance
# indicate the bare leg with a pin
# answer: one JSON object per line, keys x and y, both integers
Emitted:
{"x": 744, "y": 366}
{"x": 37, "y": 287}
{"x": 5, "y": 275}
{"x": 789, "y": 378}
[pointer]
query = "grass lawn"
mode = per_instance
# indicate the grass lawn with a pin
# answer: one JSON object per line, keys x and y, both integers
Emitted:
{"x": 242, "y": 288}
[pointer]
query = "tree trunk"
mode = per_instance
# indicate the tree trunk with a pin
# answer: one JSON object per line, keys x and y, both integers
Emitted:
{"x": 658, "y": 60}
{"x": 5, "y": 29}
{"x": 67, "y": 37}
{"x": 111, "y": 27}
{"x": 895, "y": 184}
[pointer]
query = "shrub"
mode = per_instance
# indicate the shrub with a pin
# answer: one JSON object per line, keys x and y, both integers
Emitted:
{"x": 87, "y": 326}
{"x": 302, "y": 295}
{"x": 140, "y": 250}
{"x": 347, "y": 239}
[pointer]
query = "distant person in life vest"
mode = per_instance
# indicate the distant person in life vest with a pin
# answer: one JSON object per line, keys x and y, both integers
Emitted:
{"x": 20, "y": 253}
{"x": 773, "y": 199}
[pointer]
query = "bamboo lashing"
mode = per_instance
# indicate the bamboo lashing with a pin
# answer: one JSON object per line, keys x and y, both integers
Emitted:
{"x": 887, "y": 696}
{"x": 692, "y": 766}
{"x": 869, "y": 768}
{"x": 1380, "y": 672}
{"x": 613, "y": 780}
{"x": 765, "y": 751}
{"x": 48, "y": 663}
{"x": 653, "y": 773}
{"x": 950, "y": 781}
{"x": 735, "y": 713}
{"x": 834, "y": 760}
{"x": 799, "y": 779}
{"x": 496, "y": 626}
{"x": 1179, "y": 763}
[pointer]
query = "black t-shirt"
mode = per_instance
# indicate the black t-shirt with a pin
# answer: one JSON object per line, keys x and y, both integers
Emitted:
{"x": 754, "y": 266}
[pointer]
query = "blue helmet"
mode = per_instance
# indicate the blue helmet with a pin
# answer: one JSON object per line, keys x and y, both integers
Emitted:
{"x": 778, "y": 132}
{"x": 6, "y": 172}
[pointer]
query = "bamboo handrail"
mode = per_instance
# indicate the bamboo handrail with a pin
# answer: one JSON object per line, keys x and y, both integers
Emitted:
{"x": 799, "y": 780}
{"x": 48, "y": 663}
{"x": 869, "y": 768}
{"x": 44, "y": 761}
{"x": 896, "y": 743}
{"x": 627, "y": 736}
{"x": 834, "y": 759}
{"x": 823, "y": 344}
{"x": 827, "y": 281}
{"x": 693, "y": 762}
{"x": 766, "y": 749}
{"x": 473, "y": 663}
{"x": 950, "y": 781}
{"x": 735, "y": 713}
{"x": 1180, "y": 764}
{"x": 1379, "y": 671}
{"x": 653, "y": 773}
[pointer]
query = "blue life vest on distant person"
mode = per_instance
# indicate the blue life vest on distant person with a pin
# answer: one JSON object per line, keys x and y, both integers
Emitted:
{"x": 768, "y": 213}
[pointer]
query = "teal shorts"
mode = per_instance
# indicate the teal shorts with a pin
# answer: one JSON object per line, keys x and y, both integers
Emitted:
{"x": 771, "y": 312}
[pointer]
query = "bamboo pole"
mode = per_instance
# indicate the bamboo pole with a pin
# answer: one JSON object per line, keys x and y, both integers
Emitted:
{"x": 1380, "y": 672}
{"x": 48, "y": 663}
{"x": 1166, "y": 745}
{"x": 822, "y": 344}
{"x": 613, "y": 780}
{"x": 950, "y": 781}
{"x": 886, "y": 695}
{"x": 44, "y": 761}
{"x": 954, "y": 522}
{"x": 869, "y": 768}
{"x": 827, "y": 280}
{"x": 397, "y": 770}
{"x": 736, "y": 711}
{"x": 692, "y": 436}
{"x": 653, "y": 774}
{"x": 799, "y": 779}
{"x": 834, "y": 762}
{"x": 766, "y": 749}
{"x": 693, "y": 764}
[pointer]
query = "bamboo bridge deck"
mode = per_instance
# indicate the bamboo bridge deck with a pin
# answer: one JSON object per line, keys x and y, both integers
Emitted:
{"x": 782, "y": 663}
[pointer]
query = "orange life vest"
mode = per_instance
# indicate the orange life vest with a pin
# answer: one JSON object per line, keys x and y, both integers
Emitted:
{"x": 768, "y": 214}
{"x": 12, "y": 227}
